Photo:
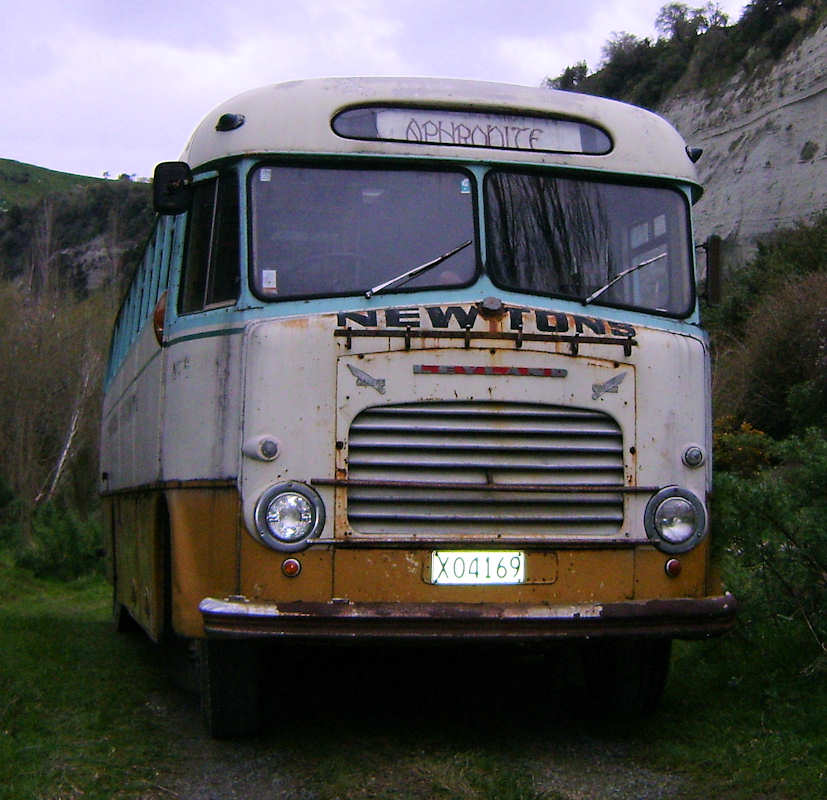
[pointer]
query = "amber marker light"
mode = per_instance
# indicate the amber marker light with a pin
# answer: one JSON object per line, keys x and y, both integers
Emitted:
{"x": 673, "y": 567}
{"x": 158, "y": 317}
{"x": 291, "y": 567}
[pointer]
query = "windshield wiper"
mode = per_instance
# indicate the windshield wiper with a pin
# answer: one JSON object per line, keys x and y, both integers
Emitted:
{"x": 613, "y": 281}
{"x": 412, "y": 273}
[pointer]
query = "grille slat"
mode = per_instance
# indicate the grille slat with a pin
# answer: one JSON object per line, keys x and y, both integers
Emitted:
{"x": 481, "y": 444}
{"x": 504, "y": 427}
{"x": 478, "y": 444}
{"x": 517, "y": 519}
{"x": 487, "y": 464}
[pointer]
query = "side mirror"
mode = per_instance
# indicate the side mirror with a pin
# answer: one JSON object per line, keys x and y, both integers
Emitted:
{"x": 713, "y": 270}
{"x": 172, "y": 187}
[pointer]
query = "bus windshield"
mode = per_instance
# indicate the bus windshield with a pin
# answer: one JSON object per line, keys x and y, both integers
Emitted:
{"x": 320, "y": 231}
{"x": 570, "y": 237}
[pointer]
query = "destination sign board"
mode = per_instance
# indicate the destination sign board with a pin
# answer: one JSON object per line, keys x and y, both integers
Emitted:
{"x": 472, "y": 129}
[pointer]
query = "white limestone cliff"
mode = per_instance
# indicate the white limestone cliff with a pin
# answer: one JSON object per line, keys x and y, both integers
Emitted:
{"x": 764, "y": 137}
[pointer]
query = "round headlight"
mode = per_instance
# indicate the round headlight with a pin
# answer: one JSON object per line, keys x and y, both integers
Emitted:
{"x": 288, "y": 515}
{"x": 675, "y": 520}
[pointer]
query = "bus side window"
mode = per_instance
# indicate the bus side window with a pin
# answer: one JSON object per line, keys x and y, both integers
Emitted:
{"x": 211, "y": 266}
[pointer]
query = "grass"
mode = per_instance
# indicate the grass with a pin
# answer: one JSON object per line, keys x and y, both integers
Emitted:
{"x": 73, "y": 717}
{"x": 25, "y": 184}
{"x": 77, "y": 721}
{"x": 733, "y": 725}
{"x": 742, "y": 721}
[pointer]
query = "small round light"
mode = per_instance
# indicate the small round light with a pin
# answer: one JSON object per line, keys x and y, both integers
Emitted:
{"x": 675, "y": 520}
{"x": 269, "y": 448}
{"x": 291, "y": 567}
{"x": 288, "y": 515}
{"x": 693, "y": 456}
{"x": 673, "y": 567}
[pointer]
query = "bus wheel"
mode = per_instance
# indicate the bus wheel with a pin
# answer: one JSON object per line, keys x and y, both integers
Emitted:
{"x": 230, "y": 687}
{"x": 625, "y": 676}
{"x": 122, "y": 620}
{"x": 182, "y": 660}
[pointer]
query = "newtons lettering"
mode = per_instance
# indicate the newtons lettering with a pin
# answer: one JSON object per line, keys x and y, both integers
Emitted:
{"x": 462, "y": 317}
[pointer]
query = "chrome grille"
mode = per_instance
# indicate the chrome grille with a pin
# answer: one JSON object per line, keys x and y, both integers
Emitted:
{"x": 446, "y": 468}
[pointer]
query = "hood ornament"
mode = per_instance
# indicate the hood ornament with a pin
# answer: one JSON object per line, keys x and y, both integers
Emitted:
{"x": 363, "y": 379}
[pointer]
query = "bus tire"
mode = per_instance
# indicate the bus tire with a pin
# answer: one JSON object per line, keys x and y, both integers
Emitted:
{"x": 625, "y": 677}
{"x": 230, "y": 687}
{"x": 122, "y": 620}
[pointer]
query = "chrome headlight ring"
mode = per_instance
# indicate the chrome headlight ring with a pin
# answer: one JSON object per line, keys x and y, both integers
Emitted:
{"x": 289, "y": 515}
{"x": 675, "y": 520}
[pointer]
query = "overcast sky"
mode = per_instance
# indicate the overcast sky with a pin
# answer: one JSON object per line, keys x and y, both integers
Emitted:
{"x": 94, "y": 86}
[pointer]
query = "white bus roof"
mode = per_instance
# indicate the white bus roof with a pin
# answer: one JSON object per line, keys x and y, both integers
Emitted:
{"x": 296, "y": 118}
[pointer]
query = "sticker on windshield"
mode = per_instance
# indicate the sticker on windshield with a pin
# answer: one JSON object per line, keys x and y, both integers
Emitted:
{"x": 268, "y": 280}
{"x": 465, "y": 186}
{"x": 264, "y": 175}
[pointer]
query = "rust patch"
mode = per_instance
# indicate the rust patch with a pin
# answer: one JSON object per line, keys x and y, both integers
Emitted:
{"x": 684, "y": 618}
{"x": 296, "y": 323}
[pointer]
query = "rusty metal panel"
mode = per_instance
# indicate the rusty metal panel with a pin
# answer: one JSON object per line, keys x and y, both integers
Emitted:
{"x": 674, "y": 409}
{"x": 505, "y": 405}
{"x": 652, "y": 581}
{"x": 204, "y": 559}
{"x": 289, "y": 395}
{"x": 202, "y": 406}
{"x": 681, "y": 617}
{"x": 596, "y": 576}
{"x": 262, "y": 578}
{"x": 137, "y": 563}
{"x": 558, "y": 577}
{"x": 130, "y": 430}
{"x": 313, "y": 427}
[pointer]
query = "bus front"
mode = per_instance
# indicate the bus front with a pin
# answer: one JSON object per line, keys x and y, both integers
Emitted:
{"x": 474, "y": 389}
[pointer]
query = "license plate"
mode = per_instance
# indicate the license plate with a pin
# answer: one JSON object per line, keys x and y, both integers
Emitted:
{"x": 477, "y": 567}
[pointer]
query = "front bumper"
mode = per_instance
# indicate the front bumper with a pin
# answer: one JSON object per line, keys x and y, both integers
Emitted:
{"x": 685, "y": 618}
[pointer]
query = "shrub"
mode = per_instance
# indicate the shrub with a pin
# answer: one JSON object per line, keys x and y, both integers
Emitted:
{"x": 9, "y": 513}
{"x": 773, "y": 525}
{"x": 782, "y": 259}
{"x": 61, "y": 544}
{"x": 773, "y": 374}
{"x": 740, "y": 449}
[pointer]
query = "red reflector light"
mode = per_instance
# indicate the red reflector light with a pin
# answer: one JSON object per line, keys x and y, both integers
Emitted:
{"x": 673, "y": 568}
{"x": 291, "y": 567}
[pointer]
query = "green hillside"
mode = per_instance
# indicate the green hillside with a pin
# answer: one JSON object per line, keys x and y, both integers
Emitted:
{"x": 697, "y": 49}
{"x": 24, "y": 184}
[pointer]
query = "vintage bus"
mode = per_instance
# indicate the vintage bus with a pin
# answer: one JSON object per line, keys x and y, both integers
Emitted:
{"x": 417, "y": 360}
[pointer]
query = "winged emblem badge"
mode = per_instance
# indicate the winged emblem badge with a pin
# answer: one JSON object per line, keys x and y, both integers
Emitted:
{"x": 611, "y": 385}
{"x": 363, "y": 379}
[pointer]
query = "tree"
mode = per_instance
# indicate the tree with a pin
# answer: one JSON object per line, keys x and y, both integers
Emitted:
{"x": 40, "y": 269}
{"x": 678, "y": 22}
{"x": 50, "y": 372}
{"x": 570, "y": 78}
{"x": 715, "y": 16}
{"x": 621, "y": 47}
{"x": 674, "y": 22}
